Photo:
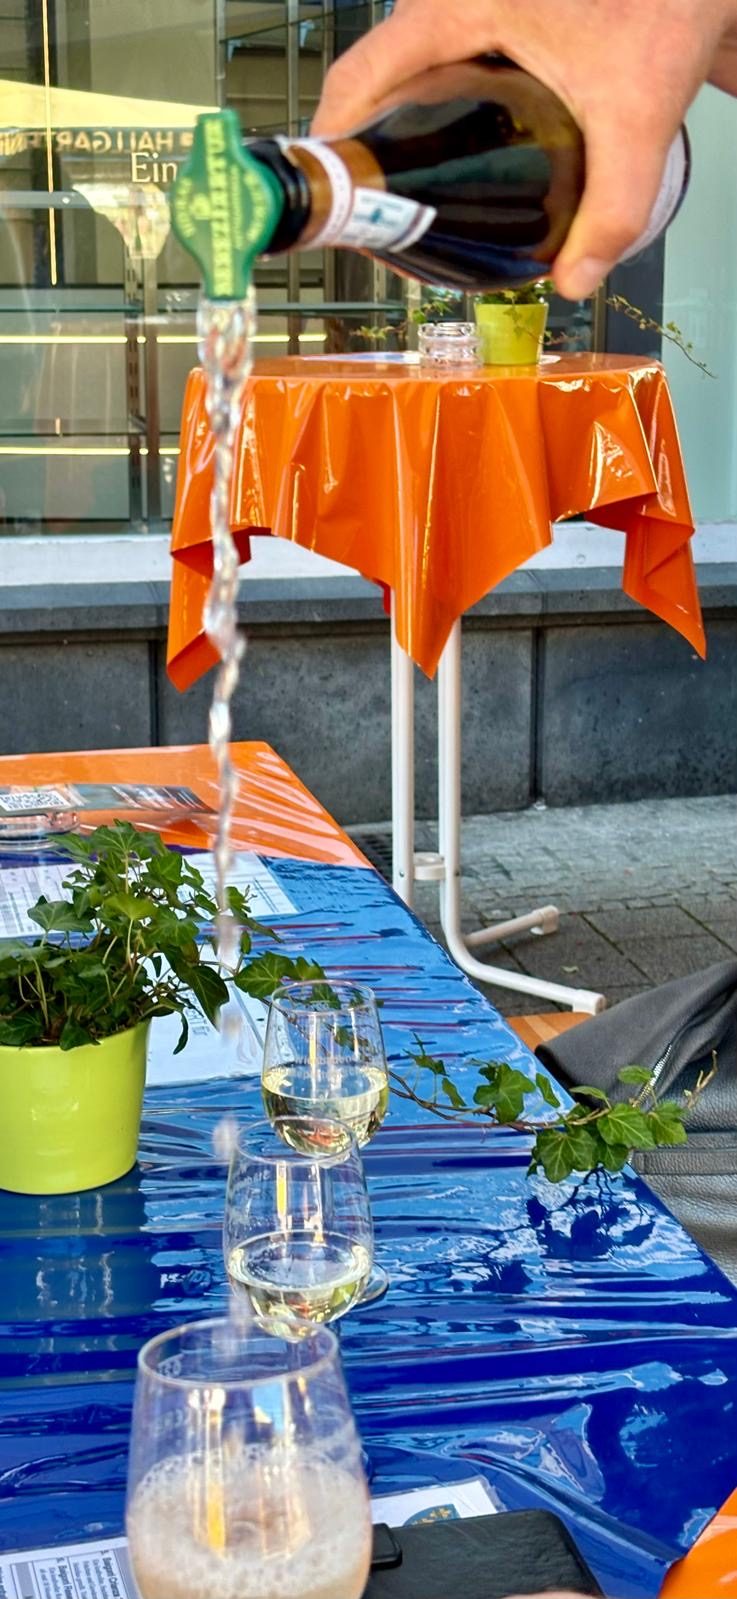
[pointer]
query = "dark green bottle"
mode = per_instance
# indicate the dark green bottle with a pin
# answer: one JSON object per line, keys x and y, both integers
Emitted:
{"x": 474, "y": 184}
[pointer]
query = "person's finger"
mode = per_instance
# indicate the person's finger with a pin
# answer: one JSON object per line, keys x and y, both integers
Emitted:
{"x": 625, "y": 162}
{"x": 366, "y": 75}
{"x": 723, "y": 69}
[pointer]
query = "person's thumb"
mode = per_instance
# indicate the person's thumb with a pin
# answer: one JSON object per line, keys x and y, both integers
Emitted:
{"x": 370, "y": 71}
{"x": 625, "y": 165}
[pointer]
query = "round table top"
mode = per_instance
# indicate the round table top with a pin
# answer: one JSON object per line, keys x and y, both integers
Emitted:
{"x": 367, "y": 367}
{"x": 439, "y": 485}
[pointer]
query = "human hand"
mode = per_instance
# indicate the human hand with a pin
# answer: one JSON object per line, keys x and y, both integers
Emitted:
{"x": 627, "y": 71}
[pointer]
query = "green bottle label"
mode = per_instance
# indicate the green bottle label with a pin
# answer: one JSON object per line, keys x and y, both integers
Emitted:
{"x": 225, "y": 206}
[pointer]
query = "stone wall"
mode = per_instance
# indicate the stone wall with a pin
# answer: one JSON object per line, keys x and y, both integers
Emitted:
{"x": 571, "y": 694}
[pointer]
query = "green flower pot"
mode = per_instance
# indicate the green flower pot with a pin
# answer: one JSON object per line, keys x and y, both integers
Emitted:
{"x": 69, "y": 1119}
{"x": 512, "y": 335}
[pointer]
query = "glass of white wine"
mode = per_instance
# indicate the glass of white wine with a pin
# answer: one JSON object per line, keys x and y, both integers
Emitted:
{"x": 245, "y": 1474}
{"x": 324, "y": 1056}
{"x": 297, "y": 1232}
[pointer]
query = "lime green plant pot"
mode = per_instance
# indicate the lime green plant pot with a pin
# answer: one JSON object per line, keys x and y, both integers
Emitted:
{"x": 69, "y": 1119}
{"x": 512, "y": 335}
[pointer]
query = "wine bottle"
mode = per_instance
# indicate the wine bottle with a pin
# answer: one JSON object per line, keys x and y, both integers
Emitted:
{"x": 473, "y": 184}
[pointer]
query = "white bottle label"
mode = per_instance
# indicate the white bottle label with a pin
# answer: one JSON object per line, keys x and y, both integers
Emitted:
{"x": 669, "y": 194}
{"x": 341, "y": 186}
{"x": 363, "y": 218}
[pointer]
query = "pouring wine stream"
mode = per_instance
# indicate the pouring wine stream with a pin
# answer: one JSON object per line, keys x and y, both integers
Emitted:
{"x": 224, "y": 212}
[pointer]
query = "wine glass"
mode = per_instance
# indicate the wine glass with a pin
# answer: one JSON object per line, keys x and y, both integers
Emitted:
{"x": 324, "y": 1056}
{"x": 297, "y": 1233}
{"x": 245, "y": 1472}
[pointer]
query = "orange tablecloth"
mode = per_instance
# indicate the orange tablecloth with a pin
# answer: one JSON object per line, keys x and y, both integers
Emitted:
{"x": 274, "y": 813}
{"x": 439, "y": 487}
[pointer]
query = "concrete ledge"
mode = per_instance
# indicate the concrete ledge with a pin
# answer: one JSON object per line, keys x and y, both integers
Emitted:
{"x": 525, "y": 597}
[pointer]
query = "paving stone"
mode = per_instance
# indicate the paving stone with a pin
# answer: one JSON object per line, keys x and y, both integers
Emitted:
{"x": 647, "y": 891}
{"x": 668, "y": 921}
{"x": 717, "y": 916}
{"x": 663, "y": 959}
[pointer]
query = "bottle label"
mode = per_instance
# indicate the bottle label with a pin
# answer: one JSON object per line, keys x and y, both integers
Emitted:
{"x": 362, "y": 218}
{"x": 669, "y": 196}
{"x": 381, "y": 221}
{"x": 340, "y": 182}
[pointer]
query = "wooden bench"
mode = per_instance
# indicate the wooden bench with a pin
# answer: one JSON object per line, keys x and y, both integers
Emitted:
{"x": 534, "y": 1030}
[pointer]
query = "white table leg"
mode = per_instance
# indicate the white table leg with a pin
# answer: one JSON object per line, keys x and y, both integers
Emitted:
{"x": 403, "y": 768}
{"x": 445, "y": 866}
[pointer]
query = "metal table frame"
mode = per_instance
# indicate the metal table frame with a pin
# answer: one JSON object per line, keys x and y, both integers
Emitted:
{"x": 444, "y": 866}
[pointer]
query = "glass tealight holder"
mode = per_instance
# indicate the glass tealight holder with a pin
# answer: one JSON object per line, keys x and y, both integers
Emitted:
{"x": 444, "y": 344}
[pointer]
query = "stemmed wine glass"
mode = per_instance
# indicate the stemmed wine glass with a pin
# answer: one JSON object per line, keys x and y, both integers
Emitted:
{"x": 324, "y": 1056}
{"x": 297, "y": 1232}
{"x": 245, "y": 1472}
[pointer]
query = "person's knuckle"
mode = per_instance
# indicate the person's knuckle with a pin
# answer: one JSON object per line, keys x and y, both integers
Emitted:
{"x": 620, "y": 226}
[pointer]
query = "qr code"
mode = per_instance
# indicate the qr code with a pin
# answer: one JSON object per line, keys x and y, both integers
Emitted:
{"x": 18, "y": 800}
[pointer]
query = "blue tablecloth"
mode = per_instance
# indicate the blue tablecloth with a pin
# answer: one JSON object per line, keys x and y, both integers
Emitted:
{"x": 571, "y": 1344}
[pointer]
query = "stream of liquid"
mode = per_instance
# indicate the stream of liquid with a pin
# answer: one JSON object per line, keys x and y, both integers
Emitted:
{"x": 224, "y": 333}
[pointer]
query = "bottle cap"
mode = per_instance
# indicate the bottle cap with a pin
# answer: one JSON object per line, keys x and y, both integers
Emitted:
{"x": 225, "y": 206}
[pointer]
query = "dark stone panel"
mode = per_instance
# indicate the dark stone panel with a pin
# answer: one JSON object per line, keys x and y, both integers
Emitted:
{"x": 324, "y": 704}
{"x": 73, "y": 696}
{"x": 496, "y": 725}
{"x": 632, "y": 712}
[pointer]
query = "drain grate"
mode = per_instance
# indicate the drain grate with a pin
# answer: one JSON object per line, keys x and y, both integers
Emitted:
{"x": 377, "y": 847}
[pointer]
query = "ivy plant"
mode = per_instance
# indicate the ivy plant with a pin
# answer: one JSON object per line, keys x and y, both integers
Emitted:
{"x": 123, "y": 946}
{"x": 591, "y": 1134}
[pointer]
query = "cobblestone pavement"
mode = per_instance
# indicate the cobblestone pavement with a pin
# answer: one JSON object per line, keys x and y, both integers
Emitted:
{"x": 647, "y": 891}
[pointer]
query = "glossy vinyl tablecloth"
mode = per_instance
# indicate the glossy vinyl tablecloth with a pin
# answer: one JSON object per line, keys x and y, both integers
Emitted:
{"x": 437, "y": 487}
{"x": 275, "y": 814}
{"x": 570, "y": 1344}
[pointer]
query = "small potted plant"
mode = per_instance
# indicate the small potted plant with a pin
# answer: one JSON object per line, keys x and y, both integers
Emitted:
{"x": 77, "y": 1001}
{"x": 512, "y": 323}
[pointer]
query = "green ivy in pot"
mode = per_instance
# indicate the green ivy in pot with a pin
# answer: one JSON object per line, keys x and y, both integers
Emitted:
{"x": 540, "y": 292}
{"x": 122, "y": 947}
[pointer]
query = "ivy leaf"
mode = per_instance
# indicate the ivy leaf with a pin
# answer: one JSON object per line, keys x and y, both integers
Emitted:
{"x": 451, "y": 1093}
{"x": 58, "y": 916}
{"x": 21, "y": 1030}
{"x": 511, "y": 1090}
{"x": 170, "y": 928}
{"x": 614, "y": 1156}
{"x": 547, "y": 1090}
{"x": 425, "y": 1062}
{"x": 666, "y": 1122}
{"x": 184, "y": 1034}
{"x": 264, "y": 974}
{"x": 635, "y": 1074}
{"x": 133, "y": 907}
{"x": 591, "y": 1092}
{"x": 623, "y": 1124}
{"x": 167, "y": 870}
{"x": 585, "y": 1148}
{"x": 238, "y": 902}
{"x": 552, "y": 1151}
{"x": 490, "y": 1069}
{"x": 209, "y": 989}
{"x": 73, "y": 1034}
{"x": 305, "y": 971}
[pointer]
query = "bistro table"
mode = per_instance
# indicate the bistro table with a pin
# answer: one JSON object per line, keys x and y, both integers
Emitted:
{"x": 437, "y": 486}
{"x": 571, "y": 1345}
